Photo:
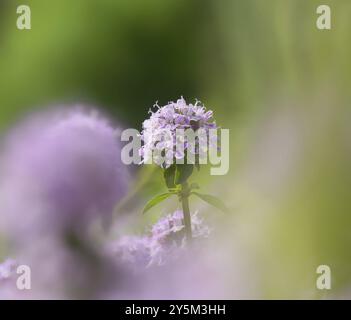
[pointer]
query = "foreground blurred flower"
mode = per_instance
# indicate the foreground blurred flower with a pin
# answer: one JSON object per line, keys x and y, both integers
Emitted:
{"x": 59, "y": 173}
{"x": 8, "y": 288}
{"x": 161, "y": 138}
{"x": 165, "y": 242}
{"x": 58, "y": 170}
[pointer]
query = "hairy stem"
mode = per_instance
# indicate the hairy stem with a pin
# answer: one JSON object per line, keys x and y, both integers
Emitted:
{"x": 186, "y": 213}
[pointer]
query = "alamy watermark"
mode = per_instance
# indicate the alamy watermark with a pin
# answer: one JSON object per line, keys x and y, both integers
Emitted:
{"x": 165, "y": 148}
{"x": 23, "y": 281}
{"x": 23, "y": 22}
{"x": 324, "y": 19}
{"x": 24, "y": 19}
{"x": 324, "y": 280}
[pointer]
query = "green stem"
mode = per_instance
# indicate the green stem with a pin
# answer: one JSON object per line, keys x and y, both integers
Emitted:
{"x": 186, "y": 212}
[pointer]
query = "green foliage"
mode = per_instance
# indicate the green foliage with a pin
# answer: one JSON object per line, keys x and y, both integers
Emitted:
{"x": 169, "y": 176}
{"x": 156, "y": 200}
{"x": 177, "y": 174}
{"x": 183, "y": 172}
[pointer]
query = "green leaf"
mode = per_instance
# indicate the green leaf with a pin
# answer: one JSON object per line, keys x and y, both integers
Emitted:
{"x": 183, "y": 172}
{"x": 212, "y": 200}
{"x": 169, "y": 175}
{"x": 156, "y": 200}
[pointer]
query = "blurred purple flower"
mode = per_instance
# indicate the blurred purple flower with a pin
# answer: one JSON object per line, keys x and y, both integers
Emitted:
{"x": 58, "y": 171}
{"x": 132, "y": 250}
{"x": 166, "y": 242}
{"x": 8, "y": 289}
{"x": 7, "y": 269}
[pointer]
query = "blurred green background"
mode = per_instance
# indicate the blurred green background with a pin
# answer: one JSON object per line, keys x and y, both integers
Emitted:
{"x": 281, "y": 85}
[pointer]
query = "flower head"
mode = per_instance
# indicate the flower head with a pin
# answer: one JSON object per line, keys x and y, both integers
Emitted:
{"x": 171, "y": 225}
{"x": 162, "y": 131}
{"x": 165, "y": 242}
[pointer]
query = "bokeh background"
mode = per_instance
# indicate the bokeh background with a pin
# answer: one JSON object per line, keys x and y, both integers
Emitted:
{"x": 278, "y": 83}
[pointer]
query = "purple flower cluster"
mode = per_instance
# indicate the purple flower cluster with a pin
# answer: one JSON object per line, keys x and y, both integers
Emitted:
{"x": 164, "y": 243}
{"x": 161, "y": 132}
